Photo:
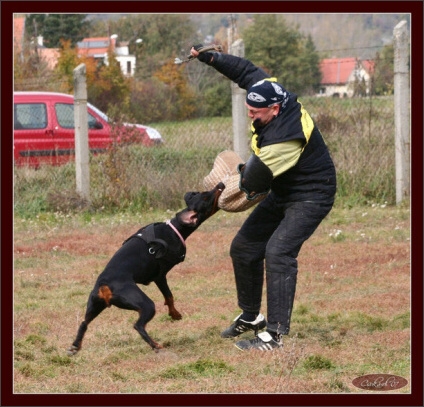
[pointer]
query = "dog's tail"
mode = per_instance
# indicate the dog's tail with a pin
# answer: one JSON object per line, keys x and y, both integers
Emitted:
{"x": 105, "y": 294}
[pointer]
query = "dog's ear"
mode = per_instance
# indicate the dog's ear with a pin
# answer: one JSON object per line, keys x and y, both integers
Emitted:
{"x": 188, "y": 197}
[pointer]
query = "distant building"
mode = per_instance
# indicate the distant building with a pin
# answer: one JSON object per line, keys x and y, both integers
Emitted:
{"x": 97, "y": 48}
{"x": 345, "y": 77}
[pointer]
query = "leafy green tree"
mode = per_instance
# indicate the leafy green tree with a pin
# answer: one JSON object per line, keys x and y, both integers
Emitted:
{"x": 282, "y": 52}
{"x": 310, "y": 73}
{"x": 34, "y": 25}
{"x": 56, "y": 27}
{"x": 383, "y": 76}
{"x": 218, "y": 99}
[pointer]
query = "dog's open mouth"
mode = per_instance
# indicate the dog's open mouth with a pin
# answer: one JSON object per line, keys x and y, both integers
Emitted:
{"x": 201, "y": 205}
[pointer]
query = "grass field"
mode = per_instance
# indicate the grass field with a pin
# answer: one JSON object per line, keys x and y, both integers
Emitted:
{"x": 351, "y": 315}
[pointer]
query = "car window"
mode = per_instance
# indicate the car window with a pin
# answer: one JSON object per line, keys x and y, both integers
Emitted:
{"x": 30, "y": 116}
{"x": 65, "y": 116}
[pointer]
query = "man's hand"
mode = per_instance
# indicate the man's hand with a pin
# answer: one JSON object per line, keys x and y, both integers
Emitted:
{"x": 206, "y": 57}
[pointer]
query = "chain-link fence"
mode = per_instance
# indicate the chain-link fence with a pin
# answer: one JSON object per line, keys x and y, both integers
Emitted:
{"x": 359, "y": 133}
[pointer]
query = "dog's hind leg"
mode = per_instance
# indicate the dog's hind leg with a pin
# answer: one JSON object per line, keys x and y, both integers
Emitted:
{"x": 132, "y": 298}
{"x": 146, "y": 314}
{"x": 95, "y": 306}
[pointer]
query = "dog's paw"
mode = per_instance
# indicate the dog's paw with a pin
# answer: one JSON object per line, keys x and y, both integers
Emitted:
{"x": 175, "y": 315}
{"x": 156, "y": 347}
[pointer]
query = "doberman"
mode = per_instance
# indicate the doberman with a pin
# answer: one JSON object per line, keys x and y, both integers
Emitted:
{"x": 146, "y": 256}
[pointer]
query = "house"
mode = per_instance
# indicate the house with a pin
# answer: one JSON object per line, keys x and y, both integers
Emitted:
{"x": 97, "y": 48}
{"x": 345, "y": 77}
{"x": 92, "y": 47}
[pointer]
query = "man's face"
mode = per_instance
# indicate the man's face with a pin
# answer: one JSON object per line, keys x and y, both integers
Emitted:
{"x": 262, "y": 116}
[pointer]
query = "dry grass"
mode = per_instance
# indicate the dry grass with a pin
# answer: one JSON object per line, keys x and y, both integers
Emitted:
{"x": 351, "y": 316}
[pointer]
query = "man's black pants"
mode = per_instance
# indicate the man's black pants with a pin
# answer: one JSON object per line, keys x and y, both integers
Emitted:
{"x": 273, "y": 234}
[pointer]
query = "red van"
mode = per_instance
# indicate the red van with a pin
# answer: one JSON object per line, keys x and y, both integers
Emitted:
{"x": 44, "y": 129}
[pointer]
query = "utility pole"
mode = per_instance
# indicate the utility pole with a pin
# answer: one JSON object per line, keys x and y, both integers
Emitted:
{"x": 238, "y": 97}
{"x": 81, "y": 133}
{"x": 402, "y": 110}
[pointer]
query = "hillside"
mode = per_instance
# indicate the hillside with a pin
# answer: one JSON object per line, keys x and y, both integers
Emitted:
{"x": 346, "y": 35}
{"x": 334, "y": 35}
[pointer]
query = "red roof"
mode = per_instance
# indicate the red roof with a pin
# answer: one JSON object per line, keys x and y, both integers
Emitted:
{"x": 336, "y": 70}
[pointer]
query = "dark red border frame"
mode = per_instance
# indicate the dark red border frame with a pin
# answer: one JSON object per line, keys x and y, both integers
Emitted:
{"x": 415, "y": 8}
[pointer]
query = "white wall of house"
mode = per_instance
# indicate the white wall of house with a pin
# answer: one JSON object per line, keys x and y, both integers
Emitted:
{"x": 126, "y": 62}
{"x": 333, "y": 90}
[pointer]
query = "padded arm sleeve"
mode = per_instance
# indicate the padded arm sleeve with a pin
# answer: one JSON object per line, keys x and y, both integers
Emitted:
{"x": 255, "y": 177}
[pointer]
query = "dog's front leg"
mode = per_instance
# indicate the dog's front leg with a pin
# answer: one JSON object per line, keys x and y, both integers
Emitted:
{"x": 162, "y": 284}
{"x": 172, "y": 312}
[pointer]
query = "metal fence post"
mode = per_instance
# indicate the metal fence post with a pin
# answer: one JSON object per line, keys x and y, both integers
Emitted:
{"x": 81, "y": 133}
{"x": 402, "y": 110}
{"x": 238, "y": 96}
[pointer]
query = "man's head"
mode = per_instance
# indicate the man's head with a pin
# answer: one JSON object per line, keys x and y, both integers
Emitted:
{"x": 264, "y": 101}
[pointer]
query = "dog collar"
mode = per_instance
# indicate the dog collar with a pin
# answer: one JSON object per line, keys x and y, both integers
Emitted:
{"x": 168, "y": 222}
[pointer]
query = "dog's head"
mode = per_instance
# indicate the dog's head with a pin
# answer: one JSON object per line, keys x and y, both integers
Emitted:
{"x": 200, "y": 206}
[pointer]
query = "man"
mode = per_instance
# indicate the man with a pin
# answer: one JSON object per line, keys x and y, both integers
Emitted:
{"x": 292, "y": 165}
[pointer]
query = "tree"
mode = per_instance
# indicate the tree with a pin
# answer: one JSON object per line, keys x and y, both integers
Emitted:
{"x": 110, "y": 87}
{"x": 34, "y": 25}
{"x": 56, "y": 27}
{"x": 29, "y": 70}
{"x": 173, "y": 76}
{"x": 218, "y": 99}
{"x": 383, "y": 76}
{"x": 67, "y": 62}
{"x": 310, "y": 73}
{"x": 282, "y": 52}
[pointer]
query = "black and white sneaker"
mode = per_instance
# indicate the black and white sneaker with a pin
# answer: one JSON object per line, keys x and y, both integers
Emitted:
{"x": 240, "y": 326}
{"x": 264, "y": 342}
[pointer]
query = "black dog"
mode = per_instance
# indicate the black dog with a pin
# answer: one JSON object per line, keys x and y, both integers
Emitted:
{"x": 148, "y": 256}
